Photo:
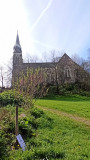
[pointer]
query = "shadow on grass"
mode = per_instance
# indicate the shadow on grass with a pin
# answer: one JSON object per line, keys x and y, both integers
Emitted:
{"x": 46, "y": 156}
{"x": 73, "y": 98}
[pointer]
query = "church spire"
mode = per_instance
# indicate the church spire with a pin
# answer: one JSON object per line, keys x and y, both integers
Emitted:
{"x": 17, "y": 40}
{"x": 17, "y": 46}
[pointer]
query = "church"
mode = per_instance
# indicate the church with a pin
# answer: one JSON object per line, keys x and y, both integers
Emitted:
{"x": 61, "y": 72}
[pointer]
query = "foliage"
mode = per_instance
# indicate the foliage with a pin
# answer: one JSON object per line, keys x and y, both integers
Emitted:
{"x": 36, "y": 113}
{"x": 3, "y": 143}
{"x": 7, "y": 128}
{"x": 11, "y": 97}
{"x": 65, "y": 89}
{"x": 27, "y": 126}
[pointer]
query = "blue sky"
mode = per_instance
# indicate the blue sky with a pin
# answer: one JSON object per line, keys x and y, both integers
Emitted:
{"x": 44, "y": 25}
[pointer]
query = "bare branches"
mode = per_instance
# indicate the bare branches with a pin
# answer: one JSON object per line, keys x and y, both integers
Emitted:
{"x": 32, "y": 84}
{"x": 31, "y": 59}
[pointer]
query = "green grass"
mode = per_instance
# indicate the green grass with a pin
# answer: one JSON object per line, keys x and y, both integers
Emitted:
{"x": 68, "y": 138}
{"x": 56, "y": 138}
{"x": 78, "y": 105}
{"x": 47, "y": 136}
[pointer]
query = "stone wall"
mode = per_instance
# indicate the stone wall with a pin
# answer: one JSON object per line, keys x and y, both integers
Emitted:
{"x": 63, "y": 71}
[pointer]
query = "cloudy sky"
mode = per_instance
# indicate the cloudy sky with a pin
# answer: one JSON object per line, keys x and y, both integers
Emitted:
{"x": 44, "y": 25}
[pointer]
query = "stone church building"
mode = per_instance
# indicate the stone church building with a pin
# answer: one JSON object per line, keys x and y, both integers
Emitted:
{"x": 63, "y": 71}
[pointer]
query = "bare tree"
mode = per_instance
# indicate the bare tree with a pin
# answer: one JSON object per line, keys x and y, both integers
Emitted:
{"x": 9, "y": 73}
{"x": 31, "y": 59}
{"x": 79, "y": 60}
{"x": 84, "y": 63}
{"x": 54, "y": 58}
{"x": 32, "y": 84}
{"x": 2, "y": 76}
{"x": 89, "y": 54}
{"x": 55, "y": 55}
{"x": 88, "y": 61}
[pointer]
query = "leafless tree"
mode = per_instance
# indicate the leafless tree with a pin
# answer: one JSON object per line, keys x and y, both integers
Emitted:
{"x": 84, "y": 63}
{"x": 31, "y": 84}
{"x": 89, "y": 54}
{"x": 9, "y": 67}
{"x": 2, "y": 76}
{"x": 31, "y": 59}
{"x": 54, "y": 57}
{"x": 79, "y": 60}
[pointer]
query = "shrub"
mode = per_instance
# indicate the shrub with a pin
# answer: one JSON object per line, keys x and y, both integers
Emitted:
{"x": 3, "y": 148}
{"x": 36, "y": 112}
{"x": 11, "y": 97}
{"x": 52, "y": 90}
{"x": 27, "y": 126}
{"x": 73, "y": 88}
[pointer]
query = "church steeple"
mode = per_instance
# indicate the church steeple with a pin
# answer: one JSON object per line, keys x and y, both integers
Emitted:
{"x": 17, "y": 39}
{"x": 17, "y": 46}
{"x": 17, "y": 52}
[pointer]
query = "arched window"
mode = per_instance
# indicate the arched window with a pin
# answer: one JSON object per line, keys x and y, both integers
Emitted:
{"x": 67, "y": 72}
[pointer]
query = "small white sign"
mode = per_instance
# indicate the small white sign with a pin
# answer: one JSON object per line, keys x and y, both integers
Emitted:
{"x": 21, "y": 141}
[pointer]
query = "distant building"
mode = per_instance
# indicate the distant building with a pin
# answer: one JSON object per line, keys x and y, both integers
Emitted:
{"x": 63, "y": 71}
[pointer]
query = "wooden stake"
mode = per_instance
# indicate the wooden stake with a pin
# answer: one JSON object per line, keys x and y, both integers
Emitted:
{"x": 16, "y": 130}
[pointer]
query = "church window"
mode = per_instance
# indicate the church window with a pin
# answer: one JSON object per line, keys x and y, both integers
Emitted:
{"x": 67, "y": 72}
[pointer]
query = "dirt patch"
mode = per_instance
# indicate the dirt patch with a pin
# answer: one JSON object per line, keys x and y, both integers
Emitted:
{"x": 73, "y": 117}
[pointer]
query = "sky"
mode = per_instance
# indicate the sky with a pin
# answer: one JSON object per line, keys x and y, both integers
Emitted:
{"x": 44, "y": 25}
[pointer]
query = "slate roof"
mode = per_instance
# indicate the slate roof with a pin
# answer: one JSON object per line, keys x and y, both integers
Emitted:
{"x": 38, "y": 65}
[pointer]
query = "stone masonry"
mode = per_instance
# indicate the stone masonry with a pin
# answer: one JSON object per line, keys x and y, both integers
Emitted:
{"x": 63, "y": 71}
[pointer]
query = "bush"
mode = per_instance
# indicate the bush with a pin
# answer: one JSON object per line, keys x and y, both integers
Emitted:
{"x": 3, "y": 148}
{"x": 36, "y": 112}
{"x": 52, "y": 90}
{"x": 27, "y": 126}
{"x": 73, "y": 88}
{"x": 11, "y": 97}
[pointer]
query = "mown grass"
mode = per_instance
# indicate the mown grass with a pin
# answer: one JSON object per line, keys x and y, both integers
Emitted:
{"x": 78, "y": 105}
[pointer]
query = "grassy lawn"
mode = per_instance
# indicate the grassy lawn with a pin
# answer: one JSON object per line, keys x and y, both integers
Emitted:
{"x": 50, "y": 137}
{"x": 66, "y": 139}
{"x": 56, "y": 138}
{"x": 47, "y": 136}
{"x": 77, "y": 105}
